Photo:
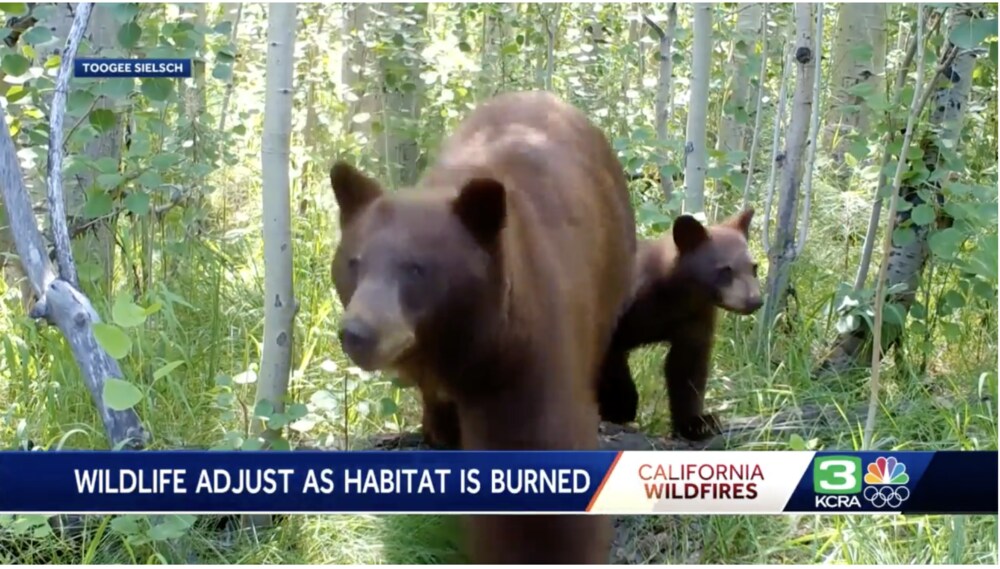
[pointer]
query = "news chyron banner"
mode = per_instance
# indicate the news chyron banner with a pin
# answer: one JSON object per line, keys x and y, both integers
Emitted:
{"x": 600, "y": 482}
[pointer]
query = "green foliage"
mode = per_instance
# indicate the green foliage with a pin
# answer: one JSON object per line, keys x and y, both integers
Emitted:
{"x": 120, "y": 394}
{"x": 113, "y": 339}
{"x": 973, "y": 32}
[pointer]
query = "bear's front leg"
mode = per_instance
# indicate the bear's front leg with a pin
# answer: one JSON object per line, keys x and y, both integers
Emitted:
{"x": 440, "y": 423}
{"x": 686, "y": 371}
{"x": 617, "y": 396}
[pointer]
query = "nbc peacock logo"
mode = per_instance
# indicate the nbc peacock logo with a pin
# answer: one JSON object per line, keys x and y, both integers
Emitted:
{"x": 885, "y": 482}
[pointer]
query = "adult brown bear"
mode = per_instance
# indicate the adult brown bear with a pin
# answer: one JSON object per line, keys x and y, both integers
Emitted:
{"x": 681, "y": 281}
{"x": 495, "y": 287}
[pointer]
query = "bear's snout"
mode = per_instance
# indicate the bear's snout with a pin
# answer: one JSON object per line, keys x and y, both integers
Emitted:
{"x": 358, "y": 339}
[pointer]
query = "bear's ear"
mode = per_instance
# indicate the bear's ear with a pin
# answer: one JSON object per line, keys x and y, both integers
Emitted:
{"x": 481, "y": 205}
{"x": 689, "y": 233}
{"x": 741, "y": 221}
{"x": 352, "y": 189}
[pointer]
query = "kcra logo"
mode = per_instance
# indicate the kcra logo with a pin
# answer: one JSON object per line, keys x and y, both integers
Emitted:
{"x": 839, "y": 484}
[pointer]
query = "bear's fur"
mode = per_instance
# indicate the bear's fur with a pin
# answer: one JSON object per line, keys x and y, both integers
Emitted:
{"x": 495, "y": 288}
{"x": 681, "y": 281}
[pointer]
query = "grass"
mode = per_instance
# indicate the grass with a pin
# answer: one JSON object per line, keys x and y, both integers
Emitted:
{"x": 212, "y": 320}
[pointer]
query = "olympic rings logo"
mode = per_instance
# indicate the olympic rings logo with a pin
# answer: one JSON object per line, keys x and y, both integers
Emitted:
{"x": 891, "y": 496}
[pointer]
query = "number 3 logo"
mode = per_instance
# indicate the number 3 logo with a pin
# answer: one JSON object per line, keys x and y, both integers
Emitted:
{"x": 837, "y": 475}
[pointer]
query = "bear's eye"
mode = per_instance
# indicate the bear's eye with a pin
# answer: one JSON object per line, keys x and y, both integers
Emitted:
{"x": 754, "y": 269}
{"x": 414, "y": 269}
{"x": 725, "y": 275}
{"x": 353, "y": 263}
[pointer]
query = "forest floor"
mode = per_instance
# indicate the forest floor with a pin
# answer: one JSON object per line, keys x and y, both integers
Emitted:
{"x": 212, "y": 320}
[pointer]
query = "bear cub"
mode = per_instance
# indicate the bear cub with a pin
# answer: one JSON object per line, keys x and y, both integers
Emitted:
{"x": 681, "y": 281}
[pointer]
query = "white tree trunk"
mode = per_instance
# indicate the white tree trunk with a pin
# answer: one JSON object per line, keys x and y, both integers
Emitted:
{"x": 664, "y": 90}
{"x": 695, "y": 150}
{"x": 777, "y": 157}
{"x": 858, "y": 58}
{"x": 782, "y": 250}
{"x": 759, "y": 99}
{"x": 876, "y": 212}
{"x": 280, "y": 305}
{"x": 731, "y": 130}
{"x": 402, "y": 108}
{"x": 103, "y": 38}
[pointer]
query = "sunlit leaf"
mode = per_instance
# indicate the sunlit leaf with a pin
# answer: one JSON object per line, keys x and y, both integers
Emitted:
{"x": 120, "y": 394}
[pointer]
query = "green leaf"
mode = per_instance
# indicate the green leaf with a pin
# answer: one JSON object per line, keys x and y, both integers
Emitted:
{"x": 903, "y": 236}
{"x": 222, "y": 71}
{"x": 138, "y": 202}
{"x": 150, "y": 179}
{"x": 864, "y": 89}
{"x": 252, "y": 444}
{"x": 98, "y": 204}
{"x": 16, "y": 93}
{"x": 165, "y": 370}
{"x": 983, "y": 260}
{"x": 106, "y": 165}
{"x": 126, "y": 525}
{"x": 858, "y": 148}
{"x": 126, "y": 313}
{"x": 110, "y": 181}
{"x": 14, "y": 8}
{"x": 158, "y": 88}
{"x": 796, "y": 442}
{"x": 164, "y": 161}
{"x": 296, "y": 411}
{"x": 277, "y": 421}
{"x": 113, "y": 339}
{"x": 120, "y": 394}
{"x": 125, "y": 11}
{"x": 388, "y": 406}
{"x": 224, "y": 28}
{"x": 892, "y": 314}
{"x": 116, "y": 88}
{"x": 971, "y": 33}
{"x": 129, "y": 34}
{"x": 264, "y": 409}
{"x": 37, "y": 35}
{"x": 923, "y": 214}
{"x": 951, "y": 331}
{"x": 945, "y": 243}
{"x": 172, "y": 527}
{"x": 15, "y": 64}
{"x": 954, "y": 299}
{"x": 102, "y": 119}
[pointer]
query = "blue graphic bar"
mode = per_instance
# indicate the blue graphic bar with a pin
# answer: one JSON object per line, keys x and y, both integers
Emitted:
{"x": 141, "y": 68}
{"x": 299, "y": 481}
